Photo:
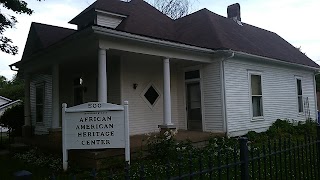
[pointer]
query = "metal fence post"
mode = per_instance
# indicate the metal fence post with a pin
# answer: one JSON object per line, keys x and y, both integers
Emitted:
{"x": 244, "y": 158}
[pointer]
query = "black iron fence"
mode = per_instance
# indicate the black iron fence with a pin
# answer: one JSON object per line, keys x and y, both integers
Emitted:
{"x": 277, "y": 159}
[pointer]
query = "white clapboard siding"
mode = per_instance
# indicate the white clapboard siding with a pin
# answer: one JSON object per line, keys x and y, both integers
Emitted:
{"x": 108, "y": 20}
{"x": 144, "y": 70}
{"x": 279, "y": 94}
{"x": 211, "y": 89}
{"x": 41, "y": 128}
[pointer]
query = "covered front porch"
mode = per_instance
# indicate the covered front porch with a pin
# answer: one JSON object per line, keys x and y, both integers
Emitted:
{"x": 162, "y": 91}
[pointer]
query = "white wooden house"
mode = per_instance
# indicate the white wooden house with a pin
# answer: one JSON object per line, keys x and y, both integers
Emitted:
{"x": 202, "y": 72}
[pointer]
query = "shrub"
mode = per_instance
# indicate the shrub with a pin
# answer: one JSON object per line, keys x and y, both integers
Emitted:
{"x": 13, "y": 118}
{"x": 36, "y": 158}
{"x": 281, "y": 128}
{"x": 164, "y": 146}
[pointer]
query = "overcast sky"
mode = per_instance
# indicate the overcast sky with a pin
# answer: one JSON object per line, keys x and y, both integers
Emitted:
{"x": 297, "y": 21}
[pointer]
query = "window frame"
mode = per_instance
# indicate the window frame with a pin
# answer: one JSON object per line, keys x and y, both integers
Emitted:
{"x": 297, "y": 94}
{"x": 151, "y": 106}
{"x": 43, "y": 86}
{"x": 257, "y": 73}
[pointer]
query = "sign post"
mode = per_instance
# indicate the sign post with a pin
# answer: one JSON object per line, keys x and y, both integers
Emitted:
{"x": 95, "y": 125}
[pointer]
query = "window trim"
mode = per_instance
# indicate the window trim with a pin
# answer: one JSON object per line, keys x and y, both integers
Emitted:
{"x": 43, "y": 85}
{"x": 146, "y": 100}
{"x": 297, "y": 94}
{"x": 259, "y": 73}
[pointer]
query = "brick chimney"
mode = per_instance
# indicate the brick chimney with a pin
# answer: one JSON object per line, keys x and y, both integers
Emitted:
{"x": 234, "y": 12}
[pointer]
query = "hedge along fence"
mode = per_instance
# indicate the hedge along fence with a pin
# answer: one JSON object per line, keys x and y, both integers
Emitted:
{"x": 223, "y": 158}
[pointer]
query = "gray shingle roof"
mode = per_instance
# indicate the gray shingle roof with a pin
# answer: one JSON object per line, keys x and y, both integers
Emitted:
{"x": 202, "y": 28}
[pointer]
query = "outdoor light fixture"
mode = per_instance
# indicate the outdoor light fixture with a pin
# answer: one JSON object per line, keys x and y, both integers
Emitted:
{"x": 135, "y": 85}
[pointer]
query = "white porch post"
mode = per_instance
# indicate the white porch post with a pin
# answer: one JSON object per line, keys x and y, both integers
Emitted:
{"x": 102, "y": 75}
{"x": 55, "y": 98}
{"x": 27, "y": 129}
{"x": 166, "y": 93}
{"x": 27, "y": 116}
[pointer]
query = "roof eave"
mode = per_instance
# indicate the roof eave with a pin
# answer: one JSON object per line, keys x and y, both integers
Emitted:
{"x": 75, "y": 35}
{"x": 150, "y": 40}
{"x": 243, "y": 54}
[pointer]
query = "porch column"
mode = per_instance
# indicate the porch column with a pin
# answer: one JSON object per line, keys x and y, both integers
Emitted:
{"x": 26, "y": 129}
{"x": 102, "y": 75}
{"x": 166, "y": 93}
{"x": 55, "y": 98}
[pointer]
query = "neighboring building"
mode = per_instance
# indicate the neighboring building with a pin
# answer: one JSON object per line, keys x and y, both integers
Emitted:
{"x": 202, "y": 72}
{"x": 6, "y": 103}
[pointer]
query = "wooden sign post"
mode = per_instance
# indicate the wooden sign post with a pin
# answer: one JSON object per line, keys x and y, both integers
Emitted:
{"x": 95, "y": 125}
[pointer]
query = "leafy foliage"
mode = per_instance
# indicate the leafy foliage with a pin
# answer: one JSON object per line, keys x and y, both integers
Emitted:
{"x": 13, "y": 89}
{"x": 37, "y": 158}
{"x": 13, "y": 118}
{"x": 9, "y": 21}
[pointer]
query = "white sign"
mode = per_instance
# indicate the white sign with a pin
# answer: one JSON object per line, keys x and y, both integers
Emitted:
{"x": 95, "y": 125}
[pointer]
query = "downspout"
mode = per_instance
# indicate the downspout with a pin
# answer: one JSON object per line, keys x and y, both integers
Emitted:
{"x": 223, "y": 92}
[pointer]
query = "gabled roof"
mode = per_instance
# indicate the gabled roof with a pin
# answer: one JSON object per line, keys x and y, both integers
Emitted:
{"x": 4, "y": 98}
{"x": 207, "y": 29}
{"x": 202, "y": 29}
{"x": 42, "y": 36}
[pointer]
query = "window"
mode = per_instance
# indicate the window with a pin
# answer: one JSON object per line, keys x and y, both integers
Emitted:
{"x": 299, "y": 94}
{"x": 78, "y": 91}
{"x": 39, "y": 102}
{"x": 150, "y": 95}
{"x": 192, "y": 75}
{"x": 256, "y": 95}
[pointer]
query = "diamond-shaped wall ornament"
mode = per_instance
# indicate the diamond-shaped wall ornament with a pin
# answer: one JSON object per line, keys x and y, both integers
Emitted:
{"x": 151, "y": 95}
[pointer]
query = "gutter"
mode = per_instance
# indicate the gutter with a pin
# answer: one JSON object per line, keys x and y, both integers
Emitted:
{"x": 9, "y": 104}
{"x": 275, "y": 60}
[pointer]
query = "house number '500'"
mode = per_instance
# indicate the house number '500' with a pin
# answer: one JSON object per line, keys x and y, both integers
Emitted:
{"x": 94, "y": 105}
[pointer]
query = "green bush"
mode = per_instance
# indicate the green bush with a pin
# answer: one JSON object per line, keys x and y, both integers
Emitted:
{"x": 13, "y": 118}
{"x": 163, "y": 147}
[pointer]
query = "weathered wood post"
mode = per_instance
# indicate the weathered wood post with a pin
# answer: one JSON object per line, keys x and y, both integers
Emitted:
{"x": 244, "y": 158}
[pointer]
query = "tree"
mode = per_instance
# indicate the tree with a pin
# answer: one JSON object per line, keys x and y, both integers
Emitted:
{"x": 173, "y": 8}
{"x": 3, "y": 81}
{"x": 13, "y": 89}
{"x": 9, "y": 21}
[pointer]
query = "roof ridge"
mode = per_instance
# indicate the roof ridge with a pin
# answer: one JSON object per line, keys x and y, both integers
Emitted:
{"x": 208, "y": 13}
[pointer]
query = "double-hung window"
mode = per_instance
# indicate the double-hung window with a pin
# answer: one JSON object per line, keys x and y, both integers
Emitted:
{"x": 299, "y": 94}
{"x": 256, "y": 95}
{"x": 40, "y": 102}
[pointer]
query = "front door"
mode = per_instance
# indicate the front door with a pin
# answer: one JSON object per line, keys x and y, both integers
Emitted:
{"x": 194, "y": 115}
